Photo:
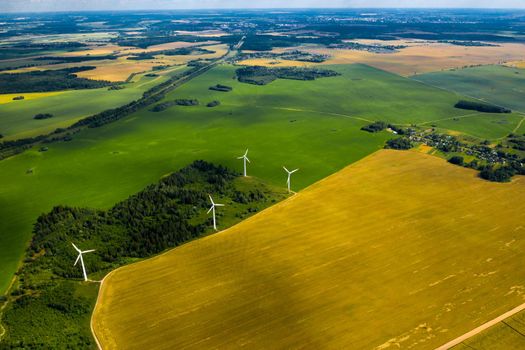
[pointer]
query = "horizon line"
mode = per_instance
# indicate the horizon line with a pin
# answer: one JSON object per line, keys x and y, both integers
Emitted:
{"x": 263, "y": 9}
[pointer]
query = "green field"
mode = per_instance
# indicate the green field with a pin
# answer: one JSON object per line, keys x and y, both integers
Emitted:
{"x": 312, "y": 125}
{"x": 501, "y": 85}
{"x": 482, "y": 125}
{"x": 16, "y": 117}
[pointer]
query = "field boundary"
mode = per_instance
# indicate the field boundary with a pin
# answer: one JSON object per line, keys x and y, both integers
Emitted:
{"x": 306, "y": 111}
{"x": 481, "y": 328}
{"x": 520, "y": 123}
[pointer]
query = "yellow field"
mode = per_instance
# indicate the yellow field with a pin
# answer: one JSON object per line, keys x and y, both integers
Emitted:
{"x": 400, "y": 249}
{"x": 418, "y": 57}
{"x": 121, "y": 68}
{"x": 516, "y": 64}
{"x": 7, "y": 98}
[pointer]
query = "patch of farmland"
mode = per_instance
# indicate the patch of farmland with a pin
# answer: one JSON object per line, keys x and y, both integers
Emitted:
{"x": 17, "y": 117}
{"x": 400, "y": 249}
{"x": 416, "y": 58}
{"x": 504, "y": 86}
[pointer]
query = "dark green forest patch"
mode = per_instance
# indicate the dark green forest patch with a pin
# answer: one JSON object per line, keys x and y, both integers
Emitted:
{"x": 481, "y": 107}
{"x": 263, "y": 75}
{"x": 220, "y": 87}
{"x": 179, "y": 102}
{"x": 48, "y": 80}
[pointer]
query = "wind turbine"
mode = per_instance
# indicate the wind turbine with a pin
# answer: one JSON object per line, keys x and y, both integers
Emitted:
{"x": 80, "y": 252}
{"x": 244, "y": 158}
{"x": 289, "y": 176}
{"x": 212, "y": 209}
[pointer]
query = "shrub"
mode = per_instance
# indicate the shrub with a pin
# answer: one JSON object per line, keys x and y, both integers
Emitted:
{"x": 458, "y": 160}
{"x": 40, "y": 116}
{"x": 400, "y": 143}
{"x": 213, "y": 104}
{"x": 503, "y": 174}
{"x": 375, "y": 126}
{"x": 223, "y": 88}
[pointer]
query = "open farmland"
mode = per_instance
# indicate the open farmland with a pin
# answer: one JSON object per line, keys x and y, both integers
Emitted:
{"x": 314, "y": 125}
{"x": 16, "y": 117}
{"x": 129, "y": 154}
{"x": 119, "y": 69}
{"x": 398, "y": 249}
{"x": 416, "y": 58}
{"x": 481, "y": 125}
{"x": 501, "y": 85}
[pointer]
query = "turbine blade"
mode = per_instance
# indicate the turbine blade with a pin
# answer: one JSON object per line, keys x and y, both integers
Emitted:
{"x": 246, "y": 153}
{"x": 211, "y": 199}
{"x": 248, "y": 160}
{"x": 211, "y": 208}
{"x": 78, "y": 250}
{"x": 241, "y": 157}
{"x": 78, "y": 258}
{"x": 285, "y": 169}
{"x": 219, "y": 205}
{"x": 293, "y": 171}
{"x": 88, "y": 251}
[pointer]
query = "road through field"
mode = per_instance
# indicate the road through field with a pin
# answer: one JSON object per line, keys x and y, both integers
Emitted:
{"x": 481, "y": 328}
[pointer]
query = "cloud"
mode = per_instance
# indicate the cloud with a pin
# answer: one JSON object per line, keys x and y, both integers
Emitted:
{"x": 78, "y": 5}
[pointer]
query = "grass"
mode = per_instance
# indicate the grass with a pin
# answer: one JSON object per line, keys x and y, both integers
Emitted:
{"x": 360, "y": 92}
{"x": 482, "y": 126}
{"x": 400, "y": 249}
{"x": 501, "y": 85}
{"x": 16, "y": 117}
{"x": 311, "y": 125}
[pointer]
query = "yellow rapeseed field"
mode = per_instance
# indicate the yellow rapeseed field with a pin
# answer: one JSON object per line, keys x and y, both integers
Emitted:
{"x": 7, "y": 98}
{"x": 400, "y": 249}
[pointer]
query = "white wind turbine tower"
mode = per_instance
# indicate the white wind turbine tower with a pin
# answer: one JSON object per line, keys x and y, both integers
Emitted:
{"x": 244, "y": 158}
{"x": 80, "y": 252}
{"x": 289, "y": 176}
{"x": 212, "y": 209}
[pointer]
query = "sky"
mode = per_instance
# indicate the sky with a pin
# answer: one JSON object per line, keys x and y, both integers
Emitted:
{"x": 76, "y": 5}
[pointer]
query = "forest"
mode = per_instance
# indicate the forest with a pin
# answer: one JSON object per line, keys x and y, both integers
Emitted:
{"x": 481, "y": 107}
{"x": 48, "y": 80}
{"x": 263, "y": 75}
